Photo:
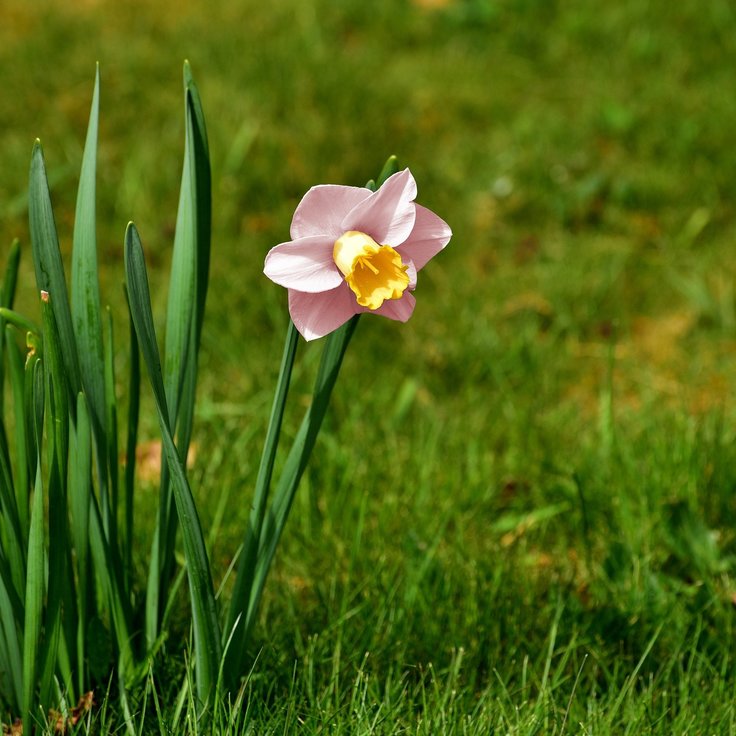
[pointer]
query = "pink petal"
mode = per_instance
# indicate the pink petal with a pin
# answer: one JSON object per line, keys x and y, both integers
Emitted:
{"x": 411, "y": 272}
{"x": 388, "y": 214}
{"x": 316, "y": 315}
{"x": 305, "y": 264}
{"x": 398, "y": 309}
{"x": 429, "y": 236}
{"x": 323, "y": 208}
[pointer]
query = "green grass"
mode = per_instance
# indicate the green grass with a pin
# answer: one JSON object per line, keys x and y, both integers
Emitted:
{"x": 520, "y": 516}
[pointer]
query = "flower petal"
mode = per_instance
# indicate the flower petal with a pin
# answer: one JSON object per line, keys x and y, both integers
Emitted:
{"x": 411, "y": 272}
{"x": 388, "y": 214}
{"x": 316, "y": 315}
{"x": 429, "y": 236}
{"x": 398, "y": 309}
{"x": 323, "y": 208}
{"x": 305, "y": 264}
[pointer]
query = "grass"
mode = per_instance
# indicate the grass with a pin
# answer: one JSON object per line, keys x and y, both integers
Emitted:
{"x": 520, "y": 515}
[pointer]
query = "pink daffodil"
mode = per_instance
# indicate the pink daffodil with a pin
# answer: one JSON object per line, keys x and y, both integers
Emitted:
{"x": 354, "y": 251}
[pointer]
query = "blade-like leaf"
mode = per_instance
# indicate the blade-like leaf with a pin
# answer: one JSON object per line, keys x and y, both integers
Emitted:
{"x": 204, "y": 612}
{"x": 389, "y": 169}
{"x": 7, "y": 296}
{"x": 109, "y": 572}
{"x": 185, "y": 314}
{"x": 17, "y": 382}
{"x": 190, "y": 265}
{"x": 10, "y": 525}
{"x": 111, "y": 429}
{"x": 11, "y": 613}
{"x": 134, "y": 383}
{"x": 35, "y": 584}
{"x": 202, "y": 191}
{"x": 85, "y": 296}
{"x": 11, "y": 275}
{"x": 18, "y": 320}
{"x": 80, "y": 490}
{"x": 48, "y": 265}
{"x": 60, "y": 586}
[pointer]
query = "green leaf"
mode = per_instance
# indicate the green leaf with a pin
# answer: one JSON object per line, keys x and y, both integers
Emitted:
{"x": 11, "y": 275}
{"x": 7, "y": 296}
{"x": 85, "y": 296}
{"x": 55, "y": 387}
{"x": 185, "y": 314}
{"x": 22, "y": 468}
{"x": 19, "y": 321}
{"x": 134, "y": 391}
{"x": 111, "y": 429}
{"x": 80, "y": 492}
{"x": 202, "y": 192}
{"x": 189, "y": 268}
{"x": 48, "y": 264}
{"x": 35, "y": 584}
{"x": 10, "y": 525}
{"x": 100, "y": 649}
{"x": 11, "y": 666}
{"x": 390, "y": 168}
{"x": 12, "y": 535}
{"x": 59, "y": 563}
{"x": 206, "y": 627}
{"x": 108, "y": 568}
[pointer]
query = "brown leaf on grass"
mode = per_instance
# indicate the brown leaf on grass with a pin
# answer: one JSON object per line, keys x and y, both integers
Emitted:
{"x": 659, "y": 338}
{"x": 526, "y": 249}
{"x": 528, "y": 301}
{"x": 148, "y": 460}
{"x": 432, "y": 4}
{"x": 63, "y": 724}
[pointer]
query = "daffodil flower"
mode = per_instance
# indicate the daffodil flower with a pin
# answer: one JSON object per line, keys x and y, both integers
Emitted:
{"x": 354, "y": 251}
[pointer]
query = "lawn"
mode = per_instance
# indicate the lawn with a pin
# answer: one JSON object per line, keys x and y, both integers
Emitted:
{"x": 520, "y": 515}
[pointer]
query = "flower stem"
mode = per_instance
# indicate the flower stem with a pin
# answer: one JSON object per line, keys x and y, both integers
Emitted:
{"x": 248, "y": 556}
{"x": 272, "y": 524}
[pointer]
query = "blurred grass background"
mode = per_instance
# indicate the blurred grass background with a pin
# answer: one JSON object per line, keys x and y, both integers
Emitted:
{"x": 522, "y": 504}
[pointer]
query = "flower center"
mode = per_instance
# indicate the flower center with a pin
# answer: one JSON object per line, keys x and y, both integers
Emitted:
{"x": 374, "y": 272}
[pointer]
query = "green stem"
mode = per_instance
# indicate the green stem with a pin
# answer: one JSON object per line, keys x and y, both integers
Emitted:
{"x": 248, "y": 559}
{"x": 296, "y": 463}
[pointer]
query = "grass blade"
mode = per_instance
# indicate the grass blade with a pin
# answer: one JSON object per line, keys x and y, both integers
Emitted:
{"x": 206, "y": 627}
